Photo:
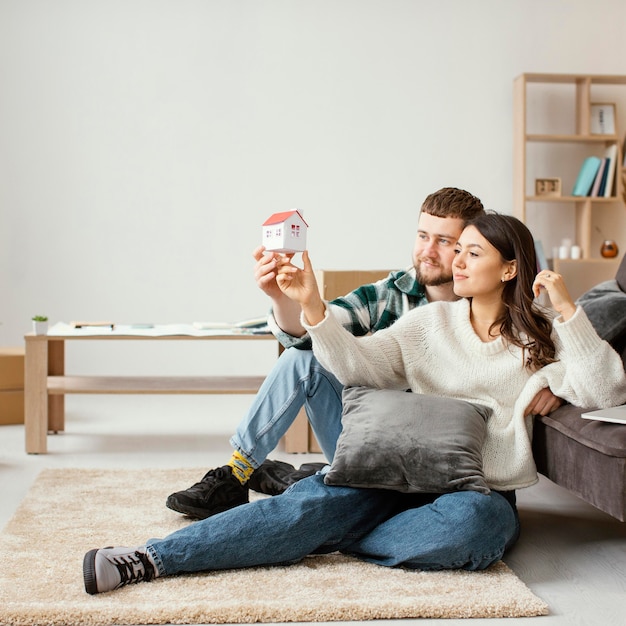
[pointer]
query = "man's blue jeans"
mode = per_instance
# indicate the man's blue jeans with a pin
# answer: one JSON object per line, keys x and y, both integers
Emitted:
{"x": 461, "y": 530}
{"x": 295, "y": 381}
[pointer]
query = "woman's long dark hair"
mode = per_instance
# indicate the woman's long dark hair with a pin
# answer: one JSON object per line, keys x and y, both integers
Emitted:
{"x": 522, "y": 324}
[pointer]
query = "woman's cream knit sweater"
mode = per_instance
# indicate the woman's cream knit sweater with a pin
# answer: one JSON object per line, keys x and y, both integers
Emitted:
{"x": 434, "y": 350}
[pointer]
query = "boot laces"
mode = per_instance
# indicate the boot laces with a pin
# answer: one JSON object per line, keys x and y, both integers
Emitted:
{"x": 133, "y": 570}
{"x": 219, "y": 473}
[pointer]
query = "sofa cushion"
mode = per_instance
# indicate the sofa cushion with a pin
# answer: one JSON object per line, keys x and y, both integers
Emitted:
{"x": 621, "y": 274}
{"x": 609, "y": 439}
{"x": 409, "y": 442}
{"x": 605, "y": 306}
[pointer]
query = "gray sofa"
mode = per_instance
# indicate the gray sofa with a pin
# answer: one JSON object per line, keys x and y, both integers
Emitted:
{"x": 588, "y": 457}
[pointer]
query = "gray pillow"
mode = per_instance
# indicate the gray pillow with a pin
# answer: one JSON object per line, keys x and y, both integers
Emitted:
{"x": 409, "y": 442}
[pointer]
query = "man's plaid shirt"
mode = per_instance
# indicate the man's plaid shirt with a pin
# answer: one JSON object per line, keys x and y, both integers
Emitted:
{"x": 368, "y": 308}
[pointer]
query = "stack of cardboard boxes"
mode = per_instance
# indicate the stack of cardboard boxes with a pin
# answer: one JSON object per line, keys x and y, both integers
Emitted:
{"x": 11, "y": 386}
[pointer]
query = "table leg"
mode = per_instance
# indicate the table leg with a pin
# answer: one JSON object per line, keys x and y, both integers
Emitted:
{"x": 56, "y": 404}
{"x": 36, "y": 395}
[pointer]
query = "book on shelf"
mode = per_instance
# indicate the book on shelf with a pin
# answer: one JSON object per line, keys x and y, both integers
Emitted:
{"x": 605, "y": 176}
{"x": 611, "y": 155}
{"x": 600, "y": 176}
{"x": 586, "y": 176}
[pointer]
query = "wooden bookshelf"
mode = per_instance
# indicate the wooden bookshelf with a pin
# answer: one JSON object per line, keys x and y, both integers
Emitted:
{"x": 531, "y": 98}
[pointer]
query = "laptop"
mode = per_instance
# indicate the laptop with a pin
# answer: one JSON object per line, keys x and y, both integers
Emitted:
{"x": 616, "y": 414}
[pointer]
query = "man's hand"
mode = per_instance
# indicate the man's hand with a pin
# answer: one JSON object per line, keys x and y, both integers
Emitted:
{"x": 543, "y": 403}
{"x": 301, "y": 286}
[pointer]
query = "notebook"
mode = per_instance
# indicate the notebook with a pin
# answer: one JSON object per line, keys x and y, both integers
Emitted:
{"x": 616, "y": 414}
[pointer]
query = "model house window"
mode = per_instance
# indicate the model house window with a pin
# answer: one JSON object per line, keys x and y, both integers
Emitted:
{"x": 295, "y": 230}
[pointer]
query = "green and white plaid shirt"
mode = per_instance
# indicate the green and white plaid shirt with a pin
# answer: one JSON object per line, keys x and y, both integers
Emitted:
{"x": 367, "y": 309}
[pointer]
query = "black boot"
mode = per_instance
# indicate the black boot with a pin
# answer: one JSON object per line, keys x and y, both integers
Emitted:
{"x": 273, "y": 477}
{"x": 218, "y": 491}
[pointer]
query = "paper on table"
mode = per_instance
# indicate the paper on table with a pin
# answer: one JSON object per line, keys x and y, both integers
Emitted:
{"x": 62, "y": 329}
{"x": 256, "y": 322}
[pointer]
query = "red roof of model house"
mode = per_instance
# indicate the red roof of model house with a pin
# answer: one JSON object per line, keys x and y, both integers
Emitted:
{"x": 278, "y": 218}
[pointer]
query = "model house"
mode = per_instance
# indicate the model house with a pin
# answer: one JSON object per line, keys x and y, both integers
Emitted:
{"x": 285, "y": 232}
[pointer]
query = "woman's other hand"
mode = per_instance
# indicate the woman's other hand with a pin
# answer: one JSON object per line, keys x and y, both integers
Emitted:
{"x": 554, "y": 284}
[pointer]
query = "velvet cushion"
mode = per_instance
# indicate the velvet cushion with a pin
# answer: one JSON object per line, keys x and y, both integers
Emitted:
{"x": 409, "y": 442}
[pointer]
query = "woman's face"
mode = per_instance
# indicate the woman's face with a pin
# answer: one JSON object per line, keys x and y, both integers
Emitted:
{"x": 478, "y": 268}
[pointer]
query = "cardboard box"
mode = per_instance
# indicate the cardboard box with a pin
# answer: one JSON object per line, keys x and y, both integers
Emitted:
{"x": 11, "y": 368}
{"x": 296, "y": 439}
{"x": 11, "y": 385}
{"x": 335, "y": 283}
{"x": 11, "y": 407}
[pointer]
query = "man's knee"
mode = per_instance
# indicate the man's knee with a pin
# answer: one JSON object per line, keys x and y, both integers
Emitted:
{"x": 296, "y": 359}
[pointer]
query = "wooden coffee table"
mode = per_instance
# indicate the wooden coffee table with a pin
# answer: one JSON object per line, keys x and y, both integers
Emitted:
{"x": 46, "y": 384}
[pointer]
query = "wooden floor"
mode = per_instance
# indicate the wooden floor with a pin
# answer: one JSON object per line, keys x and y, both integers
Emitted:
{"x": 569, "y": 554}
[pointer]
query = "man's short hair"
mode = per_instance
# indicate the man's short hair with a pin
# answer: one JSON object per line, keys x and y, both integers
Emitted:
{"x": 453, "y": 202}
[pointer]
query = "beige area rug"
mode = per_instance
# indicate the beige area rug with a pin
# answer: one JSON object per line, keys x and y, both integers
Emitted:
{"x": 69, "y": 511}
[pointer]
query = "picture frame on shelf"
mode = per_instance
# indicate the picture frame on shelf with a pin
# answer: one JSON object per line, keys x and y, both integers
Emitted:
{"x": 548, "y": 187}
{"x": 602, "y": 119}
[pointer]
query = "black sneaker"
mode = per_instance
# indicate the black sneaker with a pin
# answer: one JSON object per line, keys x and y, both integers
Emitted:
{"x": 218, "y": 491}
{"x": 273, "y": 477}
{"x": 112, "y": 568}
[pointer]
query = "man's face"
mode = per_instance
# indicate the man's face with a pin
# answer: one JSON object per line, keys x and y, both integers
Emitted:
{"x": 434, "y": 248}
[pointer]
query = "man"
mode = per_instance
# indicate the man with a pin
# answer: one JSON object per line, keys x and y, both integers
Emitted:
{"x": 299, "y": 380}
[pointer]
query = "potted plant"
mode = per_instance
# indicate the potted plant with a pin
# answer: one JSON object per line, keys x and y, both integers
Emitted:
{"x": 40, "y": 325}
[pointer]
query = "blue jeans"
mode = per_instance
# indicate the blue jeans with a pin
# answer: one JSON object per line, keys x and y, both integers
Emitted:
{"x": 460, "y": 530}
{"x": 295, "y": 381}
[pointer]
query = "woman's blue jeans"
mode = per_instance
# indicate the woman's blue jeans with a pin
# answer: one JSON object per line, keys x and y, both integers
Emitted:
{"x": 295, "y": 381}
{"x": 461, "y": 530}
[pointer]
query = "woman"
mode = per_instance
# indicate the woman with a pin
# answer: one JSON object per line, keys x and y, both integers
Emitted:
{"x": 503, "y": 350}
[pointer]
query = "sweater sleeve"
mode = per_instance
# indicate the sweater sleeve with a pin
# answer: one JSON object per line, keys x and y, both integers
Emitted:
{"x": 374, "y": 361}
{"x": 367, "y": 309}
{"x": 588, "y": 373}
{"x": 354, "y": 319}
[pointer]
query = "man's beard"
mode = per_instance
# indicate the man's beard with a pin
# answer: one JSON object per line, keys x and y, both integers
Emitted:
{"x": 429, "y": 280}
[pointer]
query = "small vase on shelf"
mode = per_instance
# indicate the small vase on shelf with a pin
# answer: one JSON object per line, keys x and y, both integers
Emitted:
{"x": 609, "y": 249}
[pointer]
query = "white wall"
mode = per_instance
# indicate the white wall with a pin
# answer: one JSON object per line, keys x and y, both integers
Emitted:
{"x": 143, "y": 142}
